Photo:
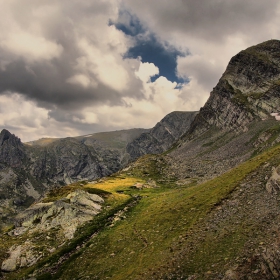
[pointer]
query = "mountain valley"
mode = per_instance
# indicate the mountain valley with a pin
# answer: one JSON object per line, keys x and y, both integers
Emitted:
{"x": 195, "y": 197}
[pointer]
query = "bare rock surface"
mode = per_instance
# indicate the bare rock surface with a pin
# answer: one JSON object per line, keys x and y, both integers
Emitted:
{"x": 162, "y": 136}
{"x": 67, "y": 213}
{"x": 62, "y": 216}
{"x": 248, "y": 90}
{"x": 21, "y": 256}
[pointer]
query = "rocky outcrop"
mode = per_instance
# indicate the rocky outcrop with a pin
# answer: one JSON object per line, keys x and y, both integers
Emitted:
{"x": 18, "y": 190}
{"x": 59, "y": 218}
{"x": 162, "y": 136}
{"x": 273, "y": 184}
{"x": 67, "y": 214}
{"x": 248, "y": 90}
{"x": 21, "y": 256}
{"x": 12, "y": 151}
{"x": 150, "y": 184}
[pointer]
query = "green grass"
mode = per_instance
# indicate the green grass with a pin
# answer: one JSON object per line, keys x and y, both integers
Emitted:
{"x": 256, "y": 95}
{"x": 239, "y": 98}
{"x": 153, "y": 229}
{"x": 58, "y": 193}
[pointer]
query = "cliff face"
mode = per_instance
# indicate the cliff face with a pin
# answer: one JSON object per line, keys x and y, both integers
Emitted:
{"x": 12, "y": 151}
{"x": 248, "y": 90}
{"x": 63, "y": 161}
{"x": 234, "y": 217}
{"x": 18, "y": 189}
{"x": 27, "y": 171}
{"x": 162, "y": 136}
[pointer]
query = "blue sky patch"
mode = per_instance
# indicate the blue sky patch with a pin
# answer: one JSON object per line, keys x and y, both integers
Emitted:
{"x": 150, "y": 48}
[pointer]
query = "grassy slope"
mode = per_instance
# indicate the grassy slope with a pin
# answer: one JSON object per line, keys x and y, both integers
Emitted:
{"x": 146, "y": 243}
{"x": 114, "y": 202}
{"x": 157, "y": 226}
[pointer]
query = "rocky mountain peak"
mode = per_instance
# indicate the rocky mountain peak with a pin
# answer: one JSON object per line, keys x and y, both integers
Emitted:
{"x": 253, "y": 70}
{"x": 4, "y": 135}
{"x": 248, "y": 90}
{"x": 11, "y": 149}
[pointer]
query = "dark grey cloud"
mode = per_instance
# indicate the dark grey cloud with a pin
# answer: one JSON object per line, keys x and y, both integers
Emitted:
{"x": 46, "y": 84}
{"x": 46, "y": 81}
{"x": 62, "y": 66}
{"x": 211, "y": 19}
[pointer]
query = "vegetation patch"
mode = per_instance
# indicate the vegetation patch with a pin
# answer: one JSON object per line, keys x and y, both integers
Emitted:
{"x": 256, "y": 95}
{"x": 58, "y": 193}
{"x": 240, "y": 99}
{"x": 157, "y": 226}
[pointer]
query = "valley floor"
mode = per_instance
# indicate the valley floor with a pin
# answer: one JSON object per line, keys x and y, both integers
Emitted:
{"x": 224, "y": 228}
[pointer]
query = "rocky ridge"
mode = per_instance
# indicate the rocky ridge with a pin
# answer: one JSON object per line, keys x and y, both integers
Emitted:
{"x": 62, "y": 216}
{"x": 28, "y": 170}
{"x": 160, "y": 138}
{"x": 233, "y": 218}
{"x": 239, "y": 109}
{"x": 247, "y": 91}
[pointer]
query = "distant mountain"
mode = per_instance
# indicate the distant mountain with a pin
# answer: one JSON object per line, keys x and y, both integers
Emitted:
{"x": 160, "y": 138}
{"x": 86, "y": 157}
{"x": 204, "y": 205}
{"x": 28, "y": 170}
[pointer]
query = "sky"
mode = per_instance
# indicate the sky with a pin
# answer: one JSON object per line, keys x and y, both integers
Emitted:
{"x": 76, "y": 67}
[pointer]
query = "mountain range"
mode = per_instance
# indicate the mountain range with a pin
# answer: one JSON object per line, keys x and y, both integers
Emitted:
{"x": 195, "y": 197}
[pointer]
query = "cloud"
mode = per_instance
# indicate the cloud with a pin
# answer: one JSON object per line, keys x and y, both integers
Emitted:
{"x": 212, "y": 30}
{"x": 150, "y": 47}
{"x": 64, "y": 62}
{"x": 72, "y": 67}
{"x": 146, "y": 71}
{"x": 64, "y": 54}
{"x": 30, "y": 47}
{"x": 213, "y": 20}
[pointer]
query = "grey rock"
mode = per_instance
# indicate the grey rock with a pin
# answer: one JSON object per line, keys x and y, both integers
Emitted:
{"x": 11, "y": 263}
{"x": 12, "y": 151}
{"x": 273, "y": 183}
{"x": 21, "y": 256}
{"x": 162, "y": 136}
{"x": 247, "y": 91}
{"x": 67, "y": 213}
{"x": 230, "y": 275}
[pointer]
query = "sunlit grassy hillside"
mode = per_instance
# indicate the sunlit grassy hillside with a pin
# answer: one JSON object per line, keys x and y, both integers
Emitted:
{"x": 148, "y": 239}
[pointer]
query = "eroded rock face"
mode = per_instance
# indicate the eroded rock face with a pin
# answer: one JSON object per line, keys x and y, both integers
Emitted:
{"x": 12, "y": 151}
{"x": 21, "y": 256}
{"x": 67, "y": 213}
{"x": 248, "y": 90}
{"x": 60, "y": 219}
{"x": 162, "y": 136}
{"x": 10, "y": 264}
{"x": 273, "y": 183}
